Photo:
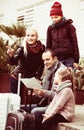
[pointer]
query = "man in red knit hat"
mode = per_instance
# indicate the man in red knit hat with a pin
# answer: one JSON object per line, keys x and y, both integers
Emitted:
{"x": 62, "y": 38}
{"x": 56, "y": 9}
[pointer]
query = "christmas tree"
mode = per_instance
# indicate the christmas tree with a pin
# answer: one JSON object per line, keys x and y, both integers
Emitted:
{"x": 16, "y": 34}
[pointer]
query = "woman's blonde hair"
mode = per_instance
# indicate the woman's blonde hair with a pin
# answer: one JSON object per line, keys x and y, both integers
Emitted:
{"x": 24, "y": 41}
{"x": 67, "y": 74}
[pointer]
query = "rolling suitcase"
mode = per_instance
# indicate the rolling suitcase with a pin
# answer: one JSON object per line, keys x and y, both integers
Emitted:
{"x": 8, "y": 102}
{"x": 20, "y": 120}
{"x": 3, "y": 110}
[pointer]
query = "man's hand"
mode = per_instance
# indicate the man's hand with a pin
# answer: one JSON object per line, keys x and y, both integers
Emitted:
{"x": 39, "y": 92}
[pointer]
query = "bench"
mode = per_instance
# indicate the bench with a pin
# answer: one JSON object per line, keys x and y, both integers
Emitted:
{"x": 77, "y": 123}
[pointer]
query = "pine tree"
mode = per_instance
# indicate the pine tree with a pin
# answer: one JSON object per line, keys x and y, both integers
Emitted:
{"x": 16, "y": 32}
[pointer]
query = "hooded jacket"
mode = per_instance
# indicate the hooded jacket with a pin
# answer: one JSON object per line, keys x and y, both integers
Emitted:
{"x": 61, "y": 37}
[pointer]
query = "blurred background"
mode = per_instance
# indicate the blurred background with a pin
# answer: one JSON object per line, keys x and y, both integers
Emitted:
{"x": 36, "y": 13}
{"x": 17, "y": 15}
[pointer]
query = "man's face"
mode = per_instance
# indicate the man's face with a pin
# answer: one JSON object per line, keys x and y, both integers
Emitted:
{"x": 48, "y": 59}
{"x": 56, "y": 18}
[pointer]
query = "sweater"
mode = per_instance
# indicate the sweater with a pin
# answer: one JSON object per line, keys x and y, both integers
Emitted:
{"x": 62, "y": 103}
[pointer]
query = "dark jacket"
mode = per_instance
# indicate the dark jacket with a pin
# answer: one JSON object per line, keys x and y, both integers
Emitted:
{"x": 62, "y": 39}
{"x": 29, "y": 65}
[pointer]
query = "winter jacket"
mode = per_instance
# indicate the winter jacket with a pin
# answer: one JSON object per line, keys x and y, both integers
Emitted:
{"x": 29, "y": 65}
{"x": 61, "y": 37}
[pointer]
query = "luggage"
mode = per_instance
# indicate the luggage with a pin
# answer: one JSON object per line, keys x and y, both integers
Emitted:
{"x": 3, "y": 110}
{"x": 20, "y": 120}
{"x": 29, "y": 122}
{"x": 13, "y": 102}
{"x": 8, "y": 102}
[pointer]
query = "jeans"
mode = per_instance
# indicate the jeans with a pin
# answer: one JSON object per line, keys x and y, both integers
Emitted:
{"x": 38, "y": 111}
{"x": 27, "y": 108}
{"x": 68, "y": 62}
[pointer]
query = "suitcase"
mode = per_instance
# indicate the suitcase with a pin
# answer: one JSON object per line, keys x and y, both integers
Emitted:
{"x": 8, "y": 102}
{"x": 3, "y": 110}
{"x": 20, "y": 120}
{"x": 14, "y": 102}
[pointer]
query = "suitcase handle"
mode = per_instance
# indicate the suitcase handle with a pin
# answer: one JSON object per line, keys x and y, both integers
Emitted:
{"x": 22, "y": 111}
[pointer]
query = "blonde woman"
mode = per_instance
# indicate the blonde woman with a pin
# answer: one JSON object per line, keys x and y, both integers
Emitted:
{"x": 61, "y": 108}
{"x": 28, "y": 58}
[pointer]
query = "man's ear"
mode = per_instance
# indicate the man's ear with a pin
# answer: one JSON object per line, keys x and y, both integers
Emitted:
{"x": 55, "y": 58}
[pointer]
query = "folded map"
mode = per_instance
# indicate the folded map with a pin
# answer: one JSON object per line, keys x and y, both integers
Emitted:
{"x": 31, "y": 83}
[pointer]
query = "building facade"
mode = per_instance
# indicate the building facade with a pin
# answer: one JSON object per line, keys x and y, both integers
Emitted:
{"x": 36, "y": 13}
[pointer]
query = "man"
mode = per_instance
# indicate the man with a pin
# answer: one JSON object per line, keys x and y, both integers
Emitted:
{"x": 62, "y": 37}
{"x": 51, "y": 65}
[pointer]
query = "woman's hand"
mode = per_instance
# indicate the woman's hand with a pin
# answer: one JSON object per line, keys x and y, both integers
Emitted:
{"x": 45, "y": 117}
{"x": 10, "y": 51}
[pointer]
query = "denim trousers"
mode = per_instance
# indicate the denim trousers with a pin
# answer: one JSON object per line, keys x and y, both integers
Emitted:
{"x": 38, "y": 111}
{"x": 68, "y": 62}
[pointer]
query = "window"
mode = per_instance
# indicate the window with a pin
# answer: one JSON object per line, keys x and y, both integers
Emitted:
{"x": 25, "y": 16}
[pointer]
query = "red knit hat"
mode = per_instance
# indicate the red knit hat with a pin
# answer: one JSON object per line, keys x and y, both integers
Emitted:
{"x": 56, "y": 9}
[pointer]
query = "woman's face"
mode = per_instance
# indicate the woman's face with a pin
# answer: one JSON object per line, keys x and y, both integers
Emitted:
{"x": 56, "y": 18}
{"x": 31, "y": 36}
{"x": 57, "y": 78}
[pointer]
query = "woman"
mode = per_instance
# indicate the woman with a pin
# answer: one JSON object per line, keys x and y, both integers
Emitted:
{"x": 62, "y": 106}
{"x": 28, "y": 58}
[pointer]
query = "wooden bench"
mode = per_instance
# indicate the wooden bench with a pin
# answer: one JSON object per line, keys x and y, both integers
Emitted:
{"x": 77, "y": 123}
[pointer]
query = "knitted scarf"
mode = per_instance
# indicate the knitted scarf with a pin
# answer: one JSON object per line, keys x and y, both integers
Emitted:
{"x": 34, "y": 48}
{"x": 49, "y": 77}
{"x": 63, "y": 85}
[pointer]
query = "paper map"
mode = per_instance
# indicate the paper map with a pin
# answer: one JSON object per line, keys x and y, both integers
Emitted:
{"x": 32, "y": 83}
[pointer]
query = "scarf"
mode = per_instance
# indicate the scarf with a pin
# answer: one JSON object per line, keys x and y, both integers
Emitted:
{"x": 49, "y": 77}
{"x": 63, "y": 85}
{"x": 62, "y": 23}
{"x": 34, "y": 48}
